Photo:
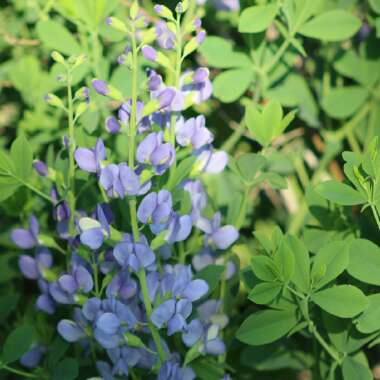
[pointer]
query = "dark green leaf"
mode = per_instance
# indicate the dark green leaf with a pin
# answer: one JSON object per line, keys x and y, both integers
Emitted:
{"x": 17, "y": 343}
{"x": 353, "y": 370}
{"x": 369, "y": 321}
{"x": 211, "y": 274}
{"x": 67, "y": 369}
{"x": 264, "y": 292}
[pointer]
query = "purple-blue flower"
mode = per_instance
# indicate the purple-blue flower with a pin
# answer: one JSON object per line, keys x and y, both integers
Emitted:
{"x": 27, "y": 238}
{"x": 133, "y": 254}
{"x": 210, "y": 161}
{"x": 193, "y": 132}
{"x": 33, "y": 268}
{"x": 33, "y": 357}
{"x": 152, "y": 150}
{"x": 198, "y": 197}
{"x": 90, "y": 160}
{"x": 155, "y": 207}
{"x": 221, "y": 237}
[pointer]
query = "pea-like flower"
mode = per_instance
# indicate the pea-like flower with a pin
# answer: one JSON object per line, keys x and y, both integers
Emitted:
{"x": 193, "y": 132}
{"x": 120, "y": 180}
{"x": 27, "y": 238}
{"x": 34, "y": 268}
{"x": 155, "y": 207}
{"x": 90, "y": 160}
{"x": 135, "y": 255}
{"x": 33, "y": 357}
{"x": 198, "y": 197}
{"x": 210, "y": 161}
{"x": 152, "y": 150}
{"x": 221, "y": 237}
{"x": 171, "y": 370}
{"x": 68, "y": 285}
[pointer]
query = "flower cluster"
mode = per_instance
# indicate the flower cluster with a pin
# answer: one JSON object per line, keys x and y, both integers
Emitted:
{"x": 132, "y": 291}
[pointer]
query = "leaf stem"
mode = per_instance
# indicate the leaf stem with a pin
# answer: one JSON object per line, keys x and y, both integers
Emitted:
{"x": 19, "y": 372}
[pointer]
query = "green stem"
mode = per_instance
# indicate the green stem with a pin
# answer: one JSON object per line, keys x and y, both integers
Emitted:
{"x": 376, "y": 215}
{"x": 133, "y": 122}
{"x": 178, "y": 65}
{"x": 132, "y": 202}
{"x": 35, "y": 190}
{"x": 71, "y": 173}
{"x": 243, "y": 208}
{"x": 324, "y": 344}
{"x": 19, "y": 372}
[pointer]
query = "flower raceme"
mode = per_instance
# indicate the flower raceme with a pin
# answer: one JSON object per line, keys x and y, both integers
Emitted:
{"x": 127, "y": 276}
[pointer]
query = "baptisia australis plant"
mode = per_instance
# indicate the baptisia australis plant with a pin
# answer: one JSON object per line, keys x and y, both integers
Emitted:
{"x": 135, "y": 302}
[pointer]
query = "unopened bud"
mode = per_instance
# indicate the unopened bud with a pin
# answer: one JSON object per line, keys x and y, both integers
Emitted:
{"x": 54, "y": 101}
{"x": 134, "y": 10}
{"x": 163, "y": 11}
{"x": 58, "y": 57}
{"x": 117, "y": 24}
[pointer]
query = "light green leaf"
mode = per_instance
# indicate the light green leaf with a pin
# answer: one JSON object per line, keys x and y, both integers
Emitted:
{"x": 375, "y": 5}
{"x": 264, "y": 292}
{"x": 55, "y": 36}
{"x": 266, "y": 326}
{"x": 340, "y": 193}
{"x": 257, "y": 18}
{"x": 334, "y": 258}
{"x": 230, "y": 85}
{"x": 219, "y": 53}
{"x": 301, "y": 276}
{"x": 284, "y": 259}
{"x": 264, "y": 268}
{"x": 353, "y": 370}
{"x": 364, "y": 262}
{"x": 335, "y": 25}
{"x": 248, "y": 165}
{"x": 369, "y": 321}
{"x": 344, "y": 301}
{"x": 343, "y": 102}
{"x": 22, "y": 157}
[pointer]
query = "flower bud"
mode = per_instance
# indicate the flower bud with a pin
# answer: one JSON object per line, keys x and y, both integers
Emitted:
{"x": 166, "y": 97}
{"x": 82, "y": 107}
{"x": 163, "y": 11}
{"x": 134, "y": 10}
{"x": 41, "y": 168}
{"x": 149, "y": 53}
{"x": 58, "y": 57}
{"x": 117, "y": 24}
{"x": 54, "y": 101}
{"x": 112, "y": 125}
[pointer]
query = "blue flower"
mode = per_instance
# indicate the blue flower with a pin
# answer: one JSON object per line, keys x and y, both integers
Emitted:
{"x": 90, "y": 160}
{"x": 33, "y": 357}
{"x": 171, "y": 370}
{"x": 152, "y": 150}
{"x": 221, "y": 237}
{"x": 136, "y": 255}
{"x": 193, "y": 132}
{"x": 198, "y": 198}
{"x": 33, "y": 268}
{"x": 155, "y": 207}
{"x": 27, "y": 238}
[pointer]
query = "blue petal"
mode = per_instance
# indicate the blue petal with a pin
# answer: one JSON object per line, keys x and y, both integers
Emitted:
{"x": 195, "y": 290}
{"x": 70, "y": 331}
{"x": 163, "y": 313}
{"x": 108, "y": 323}
{"x": 92, "y": 238}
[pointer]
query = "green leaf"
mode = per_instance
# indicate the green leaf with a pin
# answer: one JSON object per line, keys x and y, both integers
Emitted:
{"x": 67, "y": 369}
{"x": 335, "y": 25}
{"x": 343, "y": 102}
{"x": 6, "y": 164}
{"x": 257, "y": 18}
{"x": 353, "y": 370}
{"x": 375, "y": 5}
{"x": 364, "y": 264}
{"x": 22, "y": 157}
{"x": 181, "y": 172}
{"x": 369, "y": 321}
{"x": 264, "y": 292}
{"x": 340, "y": 193}
{"x": 301, "y": 276}
{"x": 264, "y": 268}
{"x": 55, "y": 36}
{"x": 248, "y": 165}
{"x": 266, "y": 326}
{"x": 284, "y": 259}
{"x": 334, "y": 258}
{"x": 362, "y": 70}
{"x": 219, "y": 53}
{"x": 211, "y": 274}
{"x": 8, "y": 303}
{"x": 344, "y": 301}
{"x": 17, "y": 343}
{"x": 231, "y": 84}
